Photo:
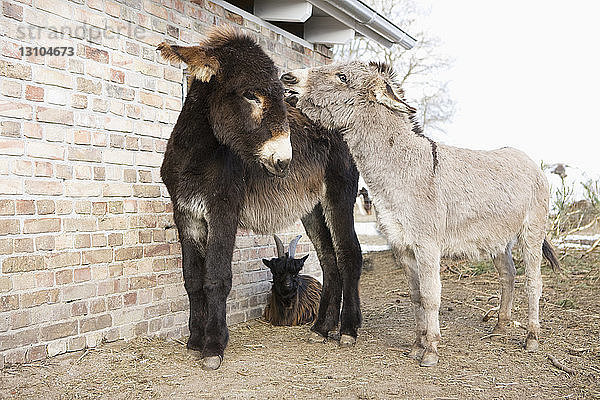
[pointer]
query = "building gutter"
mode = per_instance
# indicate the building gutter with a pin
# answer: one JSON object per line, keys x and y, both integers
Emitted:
{"x": 366, "y": 21}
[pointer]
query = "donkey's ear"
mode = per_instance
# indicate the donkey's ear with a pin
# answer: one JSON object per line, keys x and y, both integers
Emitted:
{"x": 268, "y": 263}
{"x": 303, "y": 259}
{"x": 389, "y": 96}
{"x": 202, "y": 65}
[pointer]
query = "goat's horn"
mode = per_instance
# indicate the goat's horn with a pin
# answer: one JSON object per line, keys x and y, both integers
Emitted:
{"x": 293, "y": 244}
{"x": 279, "y": 244}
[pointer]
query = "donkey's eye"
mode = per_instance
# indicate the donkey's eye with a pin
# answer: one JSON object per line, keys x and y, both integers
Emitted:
{"x": 251, "y": 97}
{"x": 342, "y": 77}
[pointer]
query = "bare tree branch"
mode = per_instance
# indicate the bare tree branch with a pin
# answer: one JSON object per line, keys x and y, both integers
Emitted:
{"x": 418, "y": 69}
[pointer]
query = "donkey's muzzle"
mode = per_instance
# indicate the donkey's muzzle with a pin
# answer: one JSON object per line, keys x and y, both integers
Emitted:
{"x": 276, "y": 154}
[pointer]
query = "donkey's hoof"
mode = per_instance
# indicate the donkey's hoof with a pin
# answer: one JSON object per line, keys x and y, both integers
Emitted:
{"x": 211, "y": 363}
{"x": 499, "y": 329}
{"x": 347, "y": 341}
{"x": 532, "y": 344}
{"x": 416, "y": 352}
{"x": 429, "y": 359}
{"x": 314, "y": 337}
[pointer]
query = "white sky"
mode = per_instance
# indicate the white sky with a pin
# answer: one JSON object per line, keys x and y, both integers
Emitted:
{"x": 526, "y": 74}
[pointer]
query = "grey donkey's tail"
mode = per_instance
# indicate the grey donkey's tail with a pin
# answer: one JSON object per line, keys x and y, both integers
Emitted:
{"x": 550, "y": 255}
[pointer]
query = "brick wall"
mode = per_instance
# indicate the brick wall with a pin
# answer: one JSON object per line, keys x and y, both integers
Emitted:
{"x": 87, "y": 248}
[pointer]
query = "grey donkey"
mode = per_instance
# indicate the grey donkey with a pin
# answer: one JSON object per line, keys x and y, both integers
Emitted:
{"x": 433, "y": 200}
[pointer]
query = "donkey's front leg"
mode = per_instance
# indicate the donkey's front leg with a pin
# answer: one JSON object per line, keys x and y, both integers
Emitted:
{"x": 430, "y": 285}
{"x": 331, "y": 296}
{"x": 222, "y": 227}
{"x": 340, "y": 218}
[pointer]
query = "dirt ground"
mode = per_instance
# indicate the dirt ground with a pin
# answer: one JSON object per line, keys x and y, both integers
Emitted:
{"x": 276, "y": 362}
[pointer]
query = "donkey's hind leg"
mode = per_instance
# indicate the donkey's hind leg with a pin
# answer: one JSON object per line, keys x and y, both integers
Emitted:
{"x": 506, "y": 270}
{"x": 532, "y": 258}
{"x": 331, "y": 296}
{"x": 407, "y": 260}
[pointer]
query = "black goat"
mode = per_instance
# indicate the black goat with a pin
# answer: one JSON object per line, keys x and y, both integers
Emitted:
{"x": 294, "y": 298}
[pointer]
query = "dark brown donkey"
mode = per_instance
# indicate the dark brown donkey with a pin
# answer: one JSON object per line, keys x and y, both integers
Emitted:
{"x": 229, "y": 164}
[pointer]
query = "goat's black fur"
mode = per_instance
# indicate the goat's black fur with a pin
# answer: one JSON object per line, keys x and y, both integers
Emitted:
{"x": 294, "y": 298}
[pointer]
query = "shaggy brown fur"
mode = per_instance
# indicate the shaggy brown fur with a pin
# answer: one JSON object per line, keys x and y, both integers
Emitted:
{"x": 303, "y": 308}
{"x": 294, "y": 298}
{"x": 239, "y": 157}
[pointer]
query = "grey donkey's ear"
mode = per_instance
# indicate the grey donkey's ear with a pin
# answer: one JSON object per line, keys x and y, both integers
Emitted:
{"x": 386, "y": 94}
{"x": 202, "y": 65}
{"x": 279, "y": 244}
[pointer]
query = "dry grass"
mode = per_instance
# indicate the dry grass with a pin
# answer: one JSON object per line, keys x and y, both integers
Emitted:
{"x": 276, "y": 362}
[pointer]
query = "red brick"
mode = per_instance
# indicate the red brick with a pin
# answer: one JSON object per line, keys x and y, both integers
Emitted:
{"x": 97, "y": 306}
{"x": 97, "y": 256}
{"x": 117, "y": 76}
{"x": 129, "y": 253}
{"x": 44, "y": 279}
{"x": 38, "y": 298}
{"x": 41, "y": 225}
{"x": 95, "y": 323}
{"x": 59, "y": 330}
{"x": 43, "y": 169}
{"x": 45, "y": 150}
{"x": 89, "y": 86}
{"x": 22, "y": 264}
{"x": 64, "y": 276}
{"x": 151, "y": 99}
{"x": 54, "y": 115}
{"x": 7, "y": 303}
{"x": 79, "y": 308}
{"x": 20, "y": 319}
{"x": 79, "y": 101}
{"x": 129, "y": 299}
{"x": 46, "y": 188}
{"x": 25, "y": 337}
{"x": 77, "y": 292}
{"x": 14, "y": 70}
{"x": 32, "y": 130}
{"x": 13, "y": 11}
{"x": 82, "y": 274}
{"x": 83, "y": 241}
{"x": 82, "y": 137}
{"x": 36, "y": 353}
{"x": 85, "y": 154}
{"x": 7, "y": 207}
{"x": 14, "y": 109}
{"x": 25, "y": 207}
{"x": 142, "y": 282}
{"x": 24, "y": 245}
{"x": 6, "y": 246}
{"x": 98, "y": 55}
{"x": 12, "y": 147}
{"x": 65, "y": 259}
{"x": 9, "y": 226}
{"x": 34, "y": 93}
